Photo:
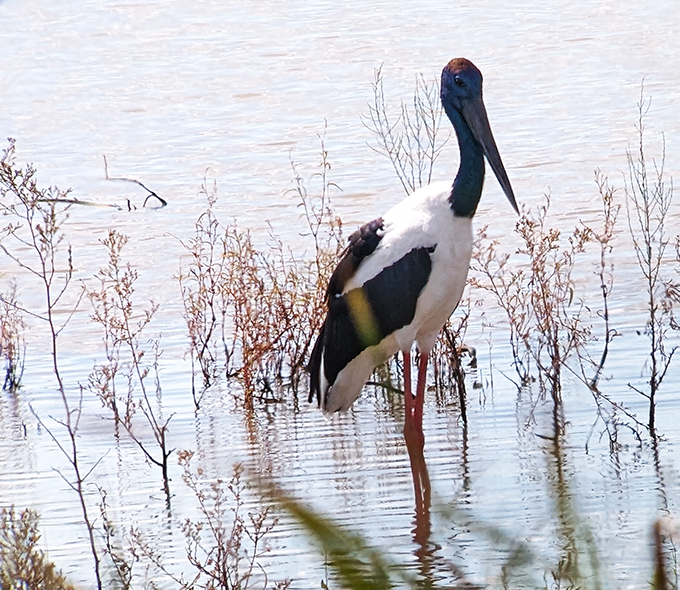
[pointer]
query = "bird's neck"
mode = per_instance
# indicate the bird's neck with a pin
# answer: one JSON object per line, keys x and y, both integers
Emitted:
{"x": 467, "y": 186}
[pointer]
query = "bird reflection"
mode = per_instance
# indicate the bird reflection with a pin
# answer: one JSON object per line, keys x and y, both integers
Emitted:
{"x": 432, "y": 565}
{"x": 415, "y": 443}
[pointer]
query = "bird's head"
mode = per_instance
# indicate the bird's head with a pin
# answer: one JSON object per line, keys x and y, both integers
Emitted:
{"x": 461, "y": 83}
{"x": 461, "y": 96}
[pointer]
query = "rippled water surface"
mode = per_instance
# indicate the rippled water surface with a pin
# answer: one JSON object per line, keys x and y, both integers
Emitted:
{"x": 173, "y": 93}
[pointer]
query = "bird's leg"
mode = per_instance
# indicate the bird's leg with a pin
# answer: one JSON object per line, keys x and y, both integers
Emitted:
{"x": 408, "y": 396}
{"x": 420, "y": 391}
{"x": 415, "y": 442}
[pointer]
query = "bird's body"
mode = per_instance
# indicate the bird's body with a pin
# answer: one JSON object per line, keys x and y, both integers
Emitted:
{"x": 403, "y": 275}
{"x": 421, "y": 223}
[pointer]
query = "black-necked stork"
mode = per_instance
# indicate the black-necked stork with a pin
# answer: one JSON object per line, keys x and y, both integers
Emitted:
{"x": 402, "y": 275}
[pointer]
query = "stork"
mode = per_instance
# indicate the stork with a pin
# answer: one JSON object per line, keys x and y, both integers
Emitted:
{"x": 403, "y": 274}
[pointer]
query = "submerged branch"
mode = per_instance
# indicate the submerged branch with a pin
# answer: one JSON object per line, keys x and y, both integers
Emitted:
{"x": 134, "y": 181}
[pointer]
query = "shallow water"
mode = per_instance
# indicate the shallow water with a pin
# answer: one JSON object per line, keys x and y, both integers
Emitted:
{"x": 173, "y": 94}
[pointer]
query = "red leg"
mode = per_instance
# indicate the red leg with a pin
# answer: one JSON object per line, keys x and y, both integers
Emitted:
{"x": 415, "y": 442}
{"x": 408, "y": 396}
{"x": 420, "y": 390}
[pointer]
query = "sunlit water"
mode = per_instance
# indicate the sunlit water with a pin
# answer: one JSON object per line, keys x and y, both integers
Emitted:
{"x": 173, "y": 94}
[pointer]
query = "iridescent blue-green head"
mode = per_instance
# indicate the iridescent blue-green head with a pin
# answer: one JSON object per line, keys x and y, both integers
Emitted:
{"x": 461, "y": 96}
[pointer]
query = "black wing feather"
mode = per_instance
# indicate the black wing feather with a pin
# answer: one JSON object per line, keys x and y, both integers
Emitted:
{"x": 362, "y": 243}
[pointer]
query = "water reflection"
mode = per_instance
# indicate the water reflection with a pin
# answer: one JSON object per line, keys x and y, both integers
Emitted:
{"x": 660, "y": 475}
{"x": 415, "y": 442}
{"x": 434, "y": 566}
{"x": 578, "y": 559}
{"x": 15, "y": 448}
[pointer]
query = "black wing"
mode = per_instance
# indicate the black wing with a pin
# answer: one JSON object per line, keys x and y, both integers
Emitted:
{"x": 362, "y": 243}
{"x": 364, "y": 316}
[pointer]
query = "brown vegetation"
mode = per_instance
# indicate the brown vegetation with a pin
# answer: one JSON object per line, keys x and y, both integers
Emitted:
{"x": 22, "y": 563}
{"x": 122, "y": 382}
{"x": 253, "y": 313}
{"x": 12, "y": 344}
{"x": 648, "y": 201}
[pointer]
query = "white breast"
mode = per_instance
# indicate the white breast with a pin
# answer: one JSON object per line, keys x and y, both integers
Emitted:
{"x": 424, "y": 219}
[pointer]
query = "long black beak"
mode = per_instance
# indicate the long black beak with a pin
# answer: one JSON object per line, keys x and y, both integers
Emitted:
{"x": 476, "y": 118}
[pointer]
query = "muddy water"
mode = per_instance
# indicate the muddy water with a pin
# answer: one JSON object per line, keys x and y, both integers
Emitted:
{"x": 173, "y": 94}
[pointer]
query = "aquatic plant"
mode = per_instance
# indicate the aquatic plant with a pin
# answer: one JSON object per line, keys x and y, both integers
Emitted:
{"x": 448, "y": 363}
{"x": 493, "y": 272}
{"x": 22, "y": 563}
{"x": 12, "y": 343}
{"x": 411, "y": 139}
{"x": 253, "y": 311}
{"x": 124, "y": 325}
{"x": 205, "y": 306}
{"x": 35, "y": 229}
{"x": 310, "y": 275}
{"x": 648, "y": 201}
{"x": 537, "y": 294}
{"x": 556, "y": 313}
{"x": 120, "y": 558}
{"x": 225, "y": 544}
{"x": 603, "y": 237}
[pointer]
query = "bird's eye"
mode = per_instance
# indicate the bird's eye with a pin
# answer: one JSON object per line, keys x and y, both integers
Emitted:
{"x": 459, "y": 82}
